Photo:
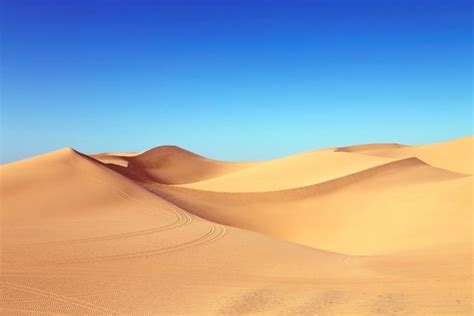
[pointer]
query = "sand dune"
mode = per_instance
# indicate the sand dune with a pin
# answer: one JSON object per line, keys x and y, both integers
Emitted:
{"x": 359, "y": 230}
{"x": 88, "y": 240}
{"x": 367, "y": 147}
{"x": 349, "y": 214}
{"x": 68, "y": 187}
{"x": 290, "y": 172}
{"x": 170, "y": 165}
{"x": 455, "y": 155}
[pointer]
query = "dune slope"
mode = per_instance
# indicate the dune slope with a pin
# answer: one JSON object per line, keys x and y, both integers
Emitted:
{"x": 169, "y": 165}
{"x": 290, "y": 172}
{"x": 455, "y": 155}
{"x": 78, "y": 238}
{"x": 392, "y": 207}
{"x": 360, "y": 230}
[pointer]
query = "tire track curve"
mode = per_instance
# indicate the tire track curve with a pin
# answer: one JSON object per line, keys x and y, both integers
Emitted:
{"x": 96, "y": 309}
{"x": 214, "y": 233}
{"x": 182, "y": 218}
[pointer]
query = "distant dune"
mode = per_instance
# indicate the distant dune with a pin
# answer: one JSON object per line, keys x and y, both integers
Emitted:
{"x": 348, "y": 214}
{"x": 170, "y": 165}
{"x": 367, "y": 147}
{"x": 290, "y": 172}
{"x": 372, "y": 229}
{"x": 455, "y": 155}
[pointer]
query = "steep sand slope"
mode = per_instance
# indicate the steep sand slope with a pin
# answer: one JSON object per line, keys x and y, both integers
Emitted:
{"x": 170, "y": 165}
{"x": 119, "y": 159}
{"x": 290, "y": 172}
{"x": 455, "y": 155}
{"x": 79, "y": 238}
{"x": 397, "y": 206}
{"x": 70, "y": 196}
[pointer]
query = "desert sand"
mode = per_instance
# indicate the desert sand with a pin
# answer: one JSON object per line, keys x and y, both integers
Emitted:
{"x": 371, "y": 229}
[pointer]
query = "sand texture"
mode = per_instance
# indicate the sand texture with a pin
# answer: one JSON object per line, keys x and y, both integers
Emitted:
{"x": 372, "y": 229}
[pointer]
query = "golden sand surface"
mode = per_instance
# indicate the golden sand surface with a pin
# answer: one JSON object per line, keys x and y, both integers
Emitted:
{"x": 374, "y": 229}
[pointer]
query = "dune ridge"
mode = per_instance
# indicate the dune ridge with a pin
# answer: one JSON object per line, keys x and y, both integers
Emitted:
{"x": 129, "y": 258}
{"x": 454, "y": 155}
{"x": 325, "y": 186}
{"x": 365, "y": 147}
{"x": 170, "y": 165}
{"x": 363, "y": 229}
{"x": 336, "y": 206}
{"x": 290, "y": 172}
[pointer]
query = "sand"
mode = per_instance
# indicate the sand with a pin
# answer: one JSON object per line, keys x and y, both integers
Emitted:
{"x": 357, "y": 230}
{"x": 169, "y": 165}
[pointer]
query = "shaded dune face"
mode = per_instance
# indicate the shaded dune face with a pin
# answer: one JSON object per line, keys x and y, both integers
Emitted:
{"x": 79, "y": 238}
{"x": 363, "y": 200}
{"x": 455, "y": 155}
{"x": 170, "y": 165}
{"x": 365, "y": 229}
{"x": 374, "y": 211}
{"x": 291, "y": 172}
{"x": 75, "y": 191}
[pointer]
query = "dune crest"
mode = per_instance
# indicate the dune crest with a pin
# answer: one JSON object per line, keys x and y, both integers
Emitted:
{"x": 366, "y": 147}
{"x": 364, "y": 229}
{"x": 344, "y": 214}
{"x": 290, "y": 172}
{"x": 455, "y": 155}
{"x": 170, "y": 165}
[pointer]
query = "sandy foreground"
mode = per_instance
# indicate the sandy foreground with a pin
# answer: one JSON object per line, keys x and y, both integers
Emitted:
{"x": 377, "y": 229}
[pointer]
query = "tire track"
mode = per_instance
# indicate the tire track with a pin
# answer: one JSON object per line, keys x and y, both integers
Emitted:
{"x": 26, "y": 311}
{"x": 215, "y": 233}
{"x": 129, "y": 197}
{"x": 182, "y": 219}
{"x": 40, "y": 299}
{"x": 61, "y": 298}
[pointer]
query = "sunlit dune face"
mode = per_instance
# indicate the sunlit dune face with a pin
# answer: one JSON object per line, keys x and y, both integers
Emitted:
{"x": 365, "y": 229}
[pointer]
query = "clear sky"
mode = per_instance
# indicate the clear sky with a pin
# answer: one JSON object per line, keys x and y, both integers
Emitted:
{"x": 233, "y": 80}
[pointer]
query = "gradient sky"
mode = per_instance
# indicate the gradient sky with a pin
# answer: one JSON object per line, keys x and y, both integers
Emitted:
{"x": 233, "y": 80}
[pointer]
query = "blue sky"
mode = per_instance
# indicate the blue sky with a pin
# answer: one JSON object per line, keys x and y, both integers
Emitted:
{"x": 233, "y": 80}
